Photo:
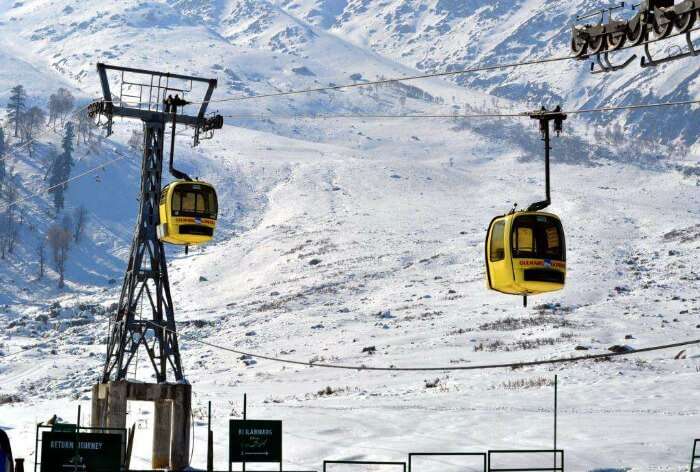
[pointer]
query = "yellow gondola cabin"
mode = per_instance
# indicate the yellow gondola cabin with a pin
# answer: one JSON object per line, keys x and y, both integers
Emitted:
{"x": 188, "y": 211}
{"x": 526, "y": 253}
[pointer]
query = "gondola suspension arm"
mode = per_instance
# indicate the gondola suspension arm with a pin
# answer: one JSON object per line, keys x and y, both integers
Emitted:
{"x": 544, "y": 117}
{"x": 171, "y": 104}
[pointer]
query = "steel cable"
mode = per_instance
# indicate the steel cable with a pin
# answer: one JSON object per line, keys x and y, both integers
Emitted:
{"x": 510, "y": 365}
{"x": 523, "y": 114}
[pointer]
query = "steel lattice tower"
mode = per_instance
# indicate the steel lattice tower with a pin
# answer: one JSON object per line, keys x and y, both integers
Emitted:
{"x": 146, "y": 278}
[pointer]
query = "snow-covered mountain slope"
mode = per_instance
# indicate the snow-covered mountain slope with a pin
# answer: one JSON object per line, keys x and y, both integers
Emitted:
{"x": 448, "y": 35}
{"x": 337, "y": 235}
{"x": 385, "y": 249}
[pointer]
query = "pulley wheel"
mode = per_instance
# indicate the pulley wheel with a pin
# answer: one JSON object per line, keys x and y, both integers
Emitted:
{"x": 662, "y": 30}
{"x": 616, "y": 40}
{"x": 596, "y": 44}
{"x": 685, "y": 21}
{"x": 637, "y": 33}
{"x": 578, "y": 45}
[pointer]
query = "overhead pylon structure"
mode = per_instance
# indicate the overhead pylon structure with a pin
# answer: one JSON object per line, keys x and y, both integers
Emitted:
{"x": 148, "y": 96}
{"x": 146, "y": 276}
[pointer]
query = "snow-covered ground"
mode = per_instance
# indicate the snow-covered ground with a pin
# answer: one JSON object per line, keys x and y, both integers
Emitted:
{"x": 398, "y": 232}
{"x": 337, "y": 235}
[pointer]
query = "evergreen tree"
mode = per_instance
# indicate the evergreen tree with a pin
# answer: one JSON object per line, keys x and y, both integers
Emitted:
{"x": 68, "y": 144}
{"x": 61, "y": 169}
{"x": 2, "y": 157}
{"x": 16, "y": 105}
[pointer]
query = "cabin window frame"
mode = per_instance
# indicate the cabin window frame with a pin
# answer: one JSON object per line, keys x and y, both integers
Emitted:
{"x": 200, "y": 195}
{"x": 502, "y": 255}
{"x": 540, "y": 238}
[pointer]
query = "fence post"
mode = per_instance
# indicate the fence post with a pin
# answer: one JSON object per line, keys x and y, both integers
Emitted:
{"x": 210, "y": 443}
{"x": 556, "y": 392}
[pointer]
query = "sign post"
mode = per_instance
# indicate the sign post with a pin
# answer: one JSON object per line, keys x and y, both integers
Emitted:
{"x": 255, "y": 441}
{"x": 84, "y": 450}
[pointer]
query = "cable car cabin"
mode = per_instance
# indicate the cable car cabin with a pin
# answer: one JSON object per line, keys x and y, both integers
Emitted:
{"x": 526, "y": 253}
{"x": 188, "y": 211}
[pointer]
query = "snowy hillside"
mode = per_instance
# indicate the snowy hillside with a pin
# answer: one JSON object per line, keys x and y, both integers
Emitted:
{"x": 341, "y": 235}
{"x": 448, "y": 35}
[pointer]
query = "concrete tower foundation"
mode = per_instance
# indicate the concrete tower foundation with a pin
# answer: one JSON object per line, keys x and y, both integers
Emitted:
{"x": 171, "y": 425}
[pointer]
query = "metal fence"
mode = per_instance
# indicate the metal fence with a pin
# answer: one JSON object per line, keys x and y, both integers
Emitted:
{"x": 399, "y": 464}
{"x": 696, "y": 456}
{"x": 481, "y": 455}
{"x": 556, "y": 455}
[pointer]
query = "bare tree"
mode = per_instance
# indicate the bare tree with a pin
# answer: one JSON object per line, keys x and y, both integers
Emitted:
{"x": 67, "y": 103}
{"x": 136, "y": 139}
{"x": 32, "y": 119}
{"x": 80, "y": 217}
{"x": 59, "y": 238}
{"x": 60, "y": 104}
{"x": 84, "y": 128}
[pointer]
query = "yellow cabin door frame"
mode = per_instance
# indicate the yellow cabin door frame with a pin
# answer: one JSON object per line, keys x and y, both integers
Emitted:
{"x": 506, "y": 274}
{"x": 502, "y": 263}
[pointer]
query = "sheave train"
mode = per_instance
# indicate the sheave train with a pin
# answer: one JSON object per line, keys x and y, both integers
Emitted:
{"x": 655, "y": 19}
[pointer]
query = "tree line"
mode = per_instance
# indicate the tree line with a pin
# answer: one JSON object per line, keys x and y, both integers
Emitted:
{"x": 23, "y": 124}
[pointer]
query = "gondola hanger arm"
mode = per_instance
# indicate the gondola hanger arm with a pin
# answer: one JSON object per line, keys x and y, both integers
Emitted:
{"x": 544, "y": 117}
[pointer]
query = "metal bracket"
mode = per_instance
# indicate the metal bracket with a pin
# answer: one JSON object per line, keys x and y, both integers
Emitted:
{"x": 99, "y": 109}
{"x": 606, "y": 66}
{"x": 601, "y": 12}
{"x": 205, "y": 128}
{"x": 544, "y": 116}
{"x": 649, "y": 61}
{"x": 155, "y": 87}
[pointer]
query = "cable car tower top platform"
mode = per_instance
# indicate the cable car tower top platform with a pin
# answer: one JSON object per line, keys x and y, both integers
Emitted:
{"x": 143, "y": 94}
{"x": 148, "y": 95}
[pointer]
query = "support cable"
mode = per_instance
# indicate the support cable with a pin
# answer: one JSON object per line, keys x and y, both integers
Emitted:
{"x": 75, "y": 177}
{"x": 486, "y": 115}
{"x": 508, "y": 65}
{"x": 524, "y": 114}
{"x": 471, "y": 70}
{"x": 36, "y": 137}
{"x": 510, "y": 365}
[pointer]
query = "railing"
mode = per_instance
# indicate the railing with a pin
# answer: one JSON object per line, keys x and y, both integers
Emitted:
{"x": 400, "y": 464}
{"x": 481, "y": 455}
{"x": 695, "y": 456}
{"x": 557, "y": 465}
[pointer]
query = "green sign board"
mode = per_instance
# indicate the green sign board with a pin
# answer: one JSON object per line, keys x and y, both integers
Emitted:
{"x": 63, "y": 428}
{"x": 96, "y": 452}
{"x": 255, "y": 441}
